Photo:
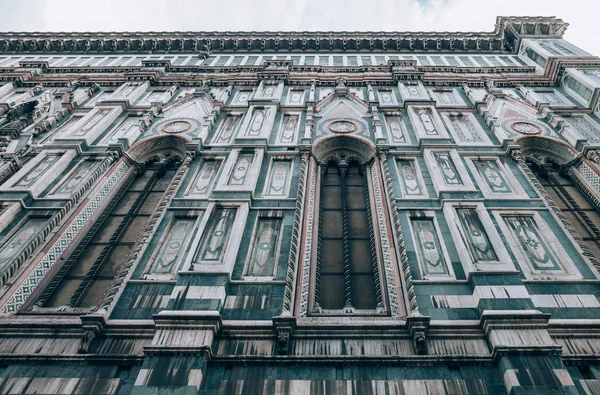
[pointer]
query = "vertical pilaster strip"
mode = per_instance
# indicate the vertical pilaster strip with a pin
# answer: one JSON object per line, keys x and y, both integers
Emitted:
{"x": 86, "y": 283}
{"x": 290, "y": 278}
{"x": 143, "y": 240}
{"x": 35, "y": 277}
{"x": 541, "y": 191}
{"x": 306, "y": 257}
{"x": 372, "y": 245}
{"x": 346, "y": 241}
{"x": 317, "y": 304}
{"x": 55, "y": 220}
{"x": 386, "y": 247}
{"x": 411, "y": 297}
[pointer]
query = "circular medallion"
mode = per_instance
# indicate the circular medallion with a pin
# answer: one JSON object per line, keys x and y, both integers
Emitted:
{"x": 177, "y": 127}
{"x": 526, "y": 128}
{"x": 342, "y": 127}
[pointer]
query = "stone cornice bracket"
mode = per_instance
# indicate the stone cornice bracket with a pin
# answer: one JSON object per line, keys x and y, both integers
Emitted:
{"x": 158, "y": 64}
{"x": 417, "y": 326}
{"x": 513, "y": 29}
{"x": 284, "y": 326}
{"x": 185, "y": 332}
{"x": 144, "y": 75}
{"x": 39, "y": 65}
{"x": 276, "y": 70}
{"x": 92, "y": 325}
{"x": 404, "y": 70}
{"x": 518, "y": 331}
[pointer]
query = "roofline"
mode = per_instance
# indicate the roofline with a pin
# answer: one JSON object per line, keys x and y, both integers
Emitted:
{"x": 505, "y": 38}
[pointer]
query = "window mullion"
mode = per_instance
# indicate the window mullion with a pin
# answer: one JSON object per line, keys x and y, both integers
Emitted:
{"x": 99, "y": 263}
{"x": 317, "y": 303}
{"x": 346, "y": 241}
{"x": 372, "y": 242}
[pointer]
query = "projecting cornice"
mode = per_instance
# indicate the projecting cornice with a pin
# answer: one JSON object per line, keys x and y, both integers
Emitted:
{"x": 505, "y": 38}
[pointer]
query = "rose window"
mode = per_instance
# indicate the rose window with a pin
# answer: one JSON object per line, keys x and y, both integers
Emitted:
{"x": 342, "y": 127}
{"x": 177, "y": 127}
{"x": 525, "y": 128}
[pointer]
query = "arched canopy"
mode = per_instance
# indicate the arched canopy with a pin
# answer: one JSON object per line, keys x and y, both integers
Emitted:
{"x": 555, "y": 150}
{"x": 162, "y": 146}
{"x": 343, "y": 148}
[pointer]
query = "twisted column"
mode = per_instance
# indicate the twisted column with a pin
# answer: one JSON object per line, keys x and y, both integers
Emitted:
{"x": 518, "y": 157}
{"x": 346, "y": 241}
{"x": 317, "y": 305}
{"x": 144, "y": 238}
{"x": 411, "y": 296}
{"x": 290, "y": 278}
{"x": 372, "y": 242}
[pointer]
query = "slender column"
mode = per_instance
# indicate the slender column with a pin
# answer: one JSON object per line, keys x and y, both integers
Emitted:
{"x": 576, "y": 208}
{"x": 290, "y": 279}
{"x": 88, "y": 280}
{"x": 372, "y": 242}
{"x": 410, "y": 296}
{"x": 346, "y": 241}
{"x": 144, "y": 238}
{"x": 554, "y": 208}
{"x": 317, "y": 305}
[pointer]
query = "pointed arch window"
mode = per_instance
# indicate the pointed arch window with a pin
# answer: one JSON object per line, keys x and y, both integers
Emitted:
{"x": 347, "y": 268}
{"x": 86, "y": 275}
{"x": 80, "y": 279}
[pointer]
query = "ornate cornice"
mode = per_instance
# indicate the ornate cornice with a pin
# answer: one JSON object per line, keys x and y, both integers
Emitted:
{"x": 507, "y": 33}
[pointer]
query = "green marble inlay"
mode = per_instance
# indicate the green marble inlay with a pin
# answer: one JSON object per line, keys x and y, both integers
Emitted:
{"x": 240, "y": 170}
{"x": 217, "y": 234}
{"x": 205, "y": 178}
{"x": 408, "y": 175}
{"x": 20, "y": 239}
{"x": 280, "y": 175}
{"x": 396, "y": 130}
{"x": 173, "y": 246}
{"x": 426, "y": 117}
{"x": 227, "y": 130}
{"x": 449, "y": 172}
{"x": 256, "y": 124}
{"x": 30, "y": 178}
{"x": 492, "y": 175}
{"x": 429, "y": 248}
{"x": 531, "y": 242}
{"x": 475, "y": 236}
{"x": 76, "y": 179}
{"x": 288, "y": 131}
{"x": 264, "y": 250}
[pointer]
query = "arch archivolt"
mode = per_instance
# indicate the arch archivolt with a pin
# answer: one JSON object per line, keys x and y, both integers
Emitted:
{"x": 159, "y": 149}
{"x": 343, "y": 148}
{"x": 542, "y": 149}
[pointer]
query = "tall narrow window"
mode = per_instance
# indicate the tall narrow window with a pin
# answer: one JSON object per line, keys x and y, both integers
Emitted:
{"x": 346, "y": 263}
{"x": 578, "y": 210}
{"x": 88, "y": 273}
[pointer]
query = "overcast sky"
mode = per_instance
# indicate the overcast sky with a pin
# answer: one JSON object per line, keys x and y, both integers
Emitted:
{"x": 256, "y": 15}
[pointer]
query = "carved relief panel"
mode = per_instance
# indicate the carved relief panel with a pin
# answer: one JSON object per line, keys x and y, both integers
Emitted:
{"x": 466, "y": 129}
{"x": 427, "y": 123}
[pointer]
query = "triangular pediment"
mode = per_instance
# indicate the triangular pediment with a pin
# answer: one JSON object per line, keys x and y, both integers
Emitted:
{"x": 343, "y": 107}
{"x": 188, "y": 107}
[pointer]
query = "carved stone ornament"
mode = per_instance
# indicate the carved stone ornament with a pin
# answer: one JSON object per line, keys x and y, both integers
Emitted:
{"x": 526, "y": 128}
{"x": 176, "y": 127}
{"x": 343, "y": 126}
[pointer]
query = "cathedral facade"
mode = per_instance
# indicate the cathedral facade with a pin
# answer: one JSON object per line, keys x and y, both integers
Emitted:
{"x": 293, "y": 213}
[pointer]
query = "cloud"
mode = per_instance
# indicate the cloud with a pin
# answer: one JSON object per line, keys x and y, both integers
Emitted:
{"x": 299, "y": 15}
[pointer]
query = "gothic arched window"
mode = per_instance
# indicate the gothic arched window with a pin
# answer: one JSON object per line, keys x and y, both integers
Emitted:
{"x": 346, "y": 262}
{"x": 87, "y": 273}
